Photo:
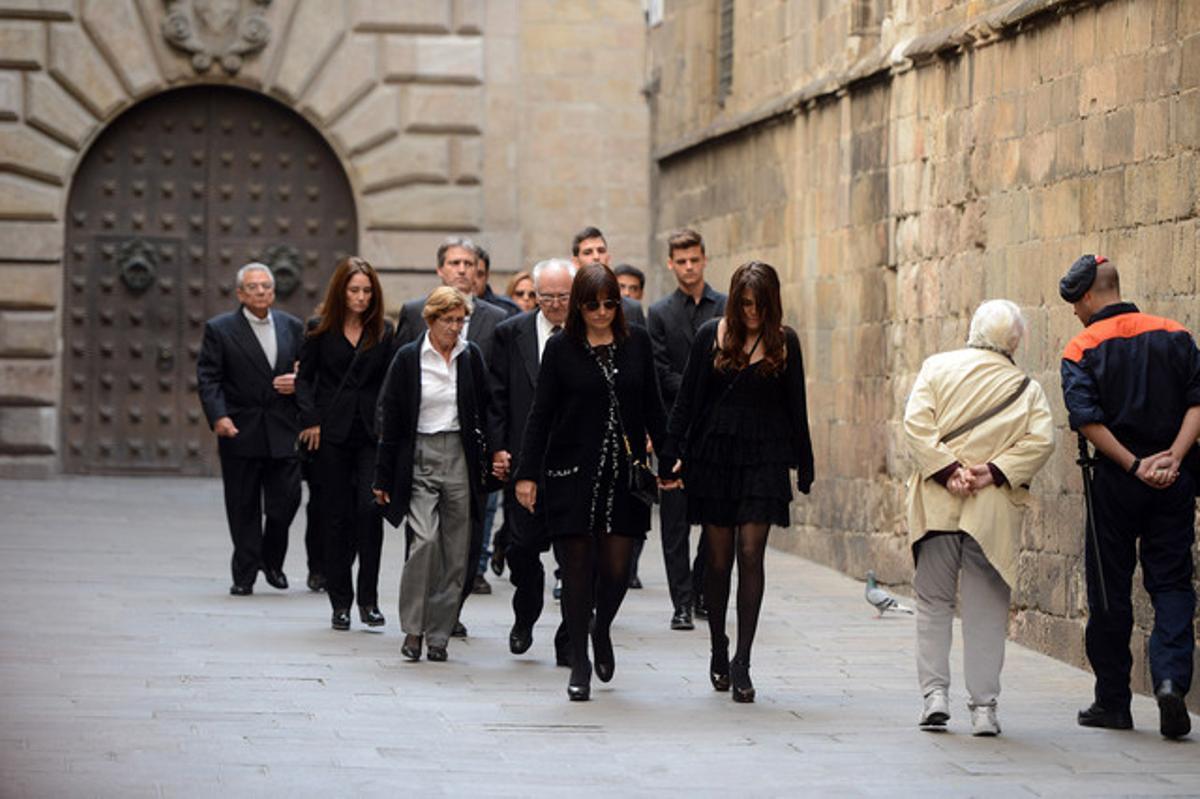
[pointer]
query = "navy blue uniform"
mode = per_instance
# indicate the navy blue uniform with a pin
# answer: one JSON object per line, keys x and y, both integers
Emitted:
{"x": 1137, "y": 375}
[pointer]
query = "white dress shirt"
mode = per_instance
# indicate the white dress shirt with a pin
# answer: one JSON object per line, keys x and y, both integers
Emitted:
{"x": 439, "y": 389}
{"x": 264, "y": 331}
{"x": 545, "y": 329}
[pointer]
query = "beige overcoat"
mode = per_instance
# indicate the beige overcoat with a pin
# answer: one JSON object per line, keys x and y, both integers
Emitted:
{"x": 951, "y": 389}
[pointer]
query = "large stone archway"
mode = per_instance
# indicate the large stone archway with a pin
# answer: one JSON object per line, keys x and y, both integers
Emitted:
{"x": 176, "y": 194}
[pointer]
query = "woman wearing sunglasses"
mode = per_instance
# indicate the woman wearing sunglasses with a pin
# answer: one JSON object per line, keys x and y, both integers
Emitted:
{"x": 520, "y": 288}
{"x": 596, "y": 399}
{"x": 740, "y": 421}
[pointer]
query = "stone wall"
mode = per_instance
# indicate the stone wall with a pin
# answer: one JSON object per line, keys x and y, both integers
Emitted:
{"x": 514, "y": 122}
{"x": 973, "y": 152}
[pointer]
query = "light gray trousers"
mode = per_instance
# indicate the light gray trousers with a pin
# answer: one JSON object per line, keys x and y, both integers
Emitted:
{"x": 439, "y": 516}
{"x": 951, "y": 565}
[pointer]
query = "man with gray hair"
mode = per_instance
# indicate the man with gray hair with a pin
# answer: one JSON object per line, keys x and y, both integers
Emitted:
{"x": 514, "y": 369}
{"x": 246, "y": 379}
{"x": 979, "y": 429}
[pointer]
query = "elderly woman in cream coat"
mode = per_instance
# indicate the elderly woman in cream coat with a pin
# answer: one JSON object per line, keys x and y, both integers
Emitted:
{"x": 979, "y": 430}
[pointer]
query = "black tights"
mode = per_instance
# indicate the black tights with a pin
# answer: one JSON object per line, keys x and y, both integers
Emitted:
{"x": 751, "y": 541}
{"x": 595, "y": 575}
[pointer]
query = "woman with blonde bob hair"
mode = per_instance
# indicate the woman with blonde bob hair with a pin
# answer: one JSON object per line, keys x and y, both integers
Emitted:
{"x": 429, "y": 467}
{"x": 342, "y": 363}
{"x": 979, "y": 429}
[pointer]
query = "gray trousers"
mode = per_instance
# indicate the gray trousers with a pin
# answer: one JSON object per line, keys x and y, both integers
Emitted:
{"x": 439, "y": 516}
{"x": 954, "y": 564}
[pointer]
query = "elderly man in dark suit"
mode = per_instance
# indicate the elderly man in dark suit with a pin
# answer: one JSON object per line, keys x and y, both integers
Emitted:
{"x": 456, "y": 259}
{"x": 674, "y": 321}
{"x": 514, "y": 371}
{"x": 246, "y": 377}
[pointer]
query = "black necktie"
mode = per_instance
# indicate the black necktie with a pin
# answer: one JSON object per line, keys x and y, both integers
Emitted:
{"x": 556, "y": 329}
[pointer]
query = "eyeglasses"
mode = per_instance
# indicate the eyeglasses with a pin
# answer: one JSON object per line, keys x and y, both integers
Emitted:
{"x": 594, "y": 305}
{"x": 553, "y": 298}
{"x": 523, "y": 294}
{"x": 453, "y": 321}
{"x": 252, "y": 287}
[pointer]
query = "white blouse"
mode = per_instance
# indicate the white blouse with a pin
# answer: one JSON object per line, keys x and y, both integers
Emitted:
{"x": 439, "y": 389}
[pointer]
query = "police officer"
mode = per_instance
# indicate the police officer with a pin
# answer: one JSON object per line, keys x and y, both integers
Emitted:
{"x": 1131, "y": 384}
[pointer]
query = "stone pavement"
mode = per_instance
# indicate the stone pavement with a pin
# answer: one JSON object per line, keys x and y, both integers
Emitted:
{"x": 127, "y": 670}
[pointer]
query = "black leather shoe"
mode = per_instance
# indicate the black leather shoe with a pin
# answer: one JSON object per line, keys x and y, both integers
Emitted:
{"x": 698, "y": 608}
{"x": 635, "y": 582}
{"x": 276, "y": 579}
{"x": 579, "y": 689}
{"x": 241, "y": 590}
{"x": 411, "y": 648}
{"x": 497, "y": 561}
{"x": 739, "y": 678}
{"x": 316, "y": 582}
{"x": 1173, "y": 718}
{"x": 520, "y": 639}
{"x": 682, "y": 620}
{"x": 459, "y": 631}
{"x": 341, "y": 619}
{"x": 481, "y": 585}
{"x": 371, "y": 616}
{"x": 718, "y": 664}
{"x": 436, "y": 654}
{"x": 1097, "y": 716}
{"x": 602, "y": 651}
{"x": 557, "y": 592}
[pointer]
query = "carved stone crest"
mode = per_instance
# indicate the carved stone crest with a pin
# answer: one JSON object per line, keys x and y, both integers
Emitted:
{"x": 217, "y": 30}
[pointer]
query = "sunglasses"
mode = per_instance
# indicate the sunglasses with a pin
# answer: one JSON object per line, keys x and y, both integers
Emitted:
{"x": 523, "y": 293}
{"x": 594, "y": 305}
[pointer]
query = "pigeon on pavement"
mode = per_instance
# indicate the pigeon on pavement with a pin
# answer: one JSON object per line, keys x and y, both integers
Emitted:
{"x": 881, "y": 600}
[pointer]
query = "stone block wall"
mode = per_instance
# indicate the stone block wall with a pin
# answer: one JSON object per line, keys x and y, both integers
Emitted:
{"x": 513, "y": 122}
{"x": 974, "y": 155}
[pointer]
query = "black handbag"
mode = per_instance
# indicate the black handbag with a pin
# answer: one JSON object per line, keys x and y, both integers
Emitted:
{"x": 643, "y": 484}
{"x": 305, "y": 455}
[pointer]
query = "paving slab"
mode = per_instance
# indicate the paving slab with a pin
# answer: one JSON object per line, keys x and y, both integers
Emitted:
{"x": 127, "y": 670}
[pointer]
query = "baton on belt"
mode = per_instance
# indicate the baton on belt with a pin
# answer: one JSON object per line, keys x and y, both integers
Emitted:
{"x": 1086, "y": 464}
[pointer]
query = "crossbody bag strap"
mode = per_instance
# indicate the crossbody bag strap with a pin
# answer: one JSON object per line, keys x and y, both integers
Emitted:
{"x": 983, "y": 417}
{"x": 349, "y": 369}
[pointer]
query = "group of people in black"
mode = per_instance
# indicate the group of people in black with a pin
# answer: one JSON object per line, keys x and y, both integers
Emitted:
{"x": 572, "y": 411}
{"x": 563, "y": 403}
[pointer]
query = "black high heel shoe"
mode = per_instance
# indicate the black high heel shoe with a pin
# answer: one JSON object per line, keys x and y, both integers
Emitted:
{"x": 602, "y": 651}
{"x": 579, "y": 689}
{"x": 718, "y": 664}
{"x": 371, "y": 616}
{"x": 739, "y": 676}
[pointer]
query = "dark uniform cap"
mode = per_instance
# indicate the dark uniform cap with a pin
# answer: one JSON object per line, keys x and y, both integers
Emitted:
{"x": 1079, "y": 278}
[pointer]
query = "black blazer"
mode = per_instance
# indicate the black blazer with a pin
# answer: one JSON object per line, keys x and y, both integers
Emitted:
{"x": 694, "y": 406}
{"x": 634, "y": 315}
{"x": 514, "y": 371}
{"x": 399, "y": 407}
{"x": 484, "y": 318}
{"x": 323, "y": 363}
{"x": 234, "y": 380}
{"x": 672, "y": 333}
{"x": 562, "y": 441}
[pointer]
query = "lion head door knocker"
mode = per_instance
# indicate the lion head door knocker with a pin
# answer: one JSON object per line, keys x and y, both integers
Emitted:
{"x": 217, "y": 30}
{"x": 137, "y": 263}
{"x": 284, "y": 261}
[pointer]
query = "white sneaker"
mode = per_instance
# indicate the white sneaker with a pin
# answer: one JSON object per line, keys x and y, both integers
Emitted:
{"x": 937, "y": 710}
{"x": 983, "y": 720}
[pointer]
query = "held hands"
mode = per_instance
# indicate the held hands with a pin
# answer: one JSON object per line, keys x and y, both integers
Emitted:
{"x": 285, "y": 384}
{"x": 225, "y": 428}
{"x": 501, "y": 463}
{"x": 1159, "y": 470}
{"x": 526, "y": 492}
{"x": 311, "y": 437}
{"x": 671, "y": 485}
{"x": 381, "y": 496}
{"x": 966, "y": 480}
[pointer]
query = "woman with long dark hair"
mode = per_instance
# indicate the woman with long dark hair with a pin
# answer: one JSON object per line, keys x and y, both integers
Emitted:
{"x": 342, "y": 364}
{"x": 739, "y": 423}
{"x": 596, "y": 399}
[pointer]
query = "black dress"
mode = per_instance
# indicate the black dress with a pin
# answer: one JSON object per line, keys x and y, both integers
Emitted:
{"x": 739, "y": 432}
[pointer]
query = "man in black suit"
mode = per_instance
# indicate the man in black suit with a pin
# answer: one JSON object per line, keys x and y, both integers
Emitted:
{"x": 589, "y": 246}
{"x": 483, "y": 289}
{"x": 456, "y": 258}
{"x": 246, "y": 377}
{"x": 674, "y": 321}
{"x": 514, "y": 370}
